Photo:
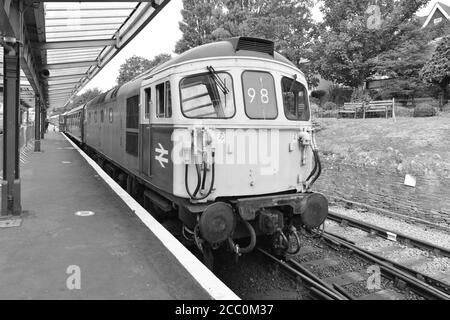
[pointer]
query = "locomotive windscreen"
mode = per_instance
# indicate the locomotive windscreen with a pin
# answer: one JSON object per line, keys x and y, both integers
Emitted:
{"x": 259, "y": 95}
{"x": 201, "y": 96}
{"x": 295, "y": 100}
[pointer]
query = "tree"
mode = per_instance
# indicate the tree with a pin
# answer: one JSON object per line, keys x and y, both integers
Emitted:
{"x": 437, "y": 70}
{"x": 287, "y": 23}
{"x": 85, "y": 97}
{"x": 199, "y": 22}
{"x": 136, "y": 65}
{"x": 402, "y": 65}
{"x": 355, "y": 32}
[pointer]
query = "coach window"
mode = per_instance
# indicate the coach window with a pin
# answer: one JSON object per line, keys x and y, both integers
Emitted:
{"x": 110, "y": 115}
{"x": 259, "y": 95}
{"x": 102, "y": 115}
{"x": 208, "y": 95}
{"x": 295, "y": 100}
{"x": 95, "y": 116}
{"x": 163, "y": 100}
{"x": 148, "y": 102}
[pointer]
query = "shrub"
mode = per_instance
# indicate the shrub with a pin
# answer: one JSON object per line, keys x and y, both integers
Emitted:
{"x": 318, "y": 94}
{"x": 339, "y": 94}
{"x": 329, "y": 106}
{"x": 314, "y": 108}
{"x": 424, "y": 110}
{"x": 446, "y": 108}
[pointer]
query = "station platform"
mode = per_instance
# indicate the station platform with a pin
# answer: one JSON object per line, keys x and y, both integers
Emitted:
{"x": 120, "y": 252}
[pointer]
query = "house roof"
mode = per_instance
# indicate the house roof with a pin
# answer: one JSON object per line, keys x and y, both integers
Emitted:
{"x": 443, "y": 8}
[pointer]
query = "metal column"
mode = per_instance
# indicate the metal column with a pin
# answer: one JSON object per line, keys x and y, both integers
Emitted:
{"x": 43, "y": 117}
{"x": 11, "y": 161}
{"x": 37, "y": 122}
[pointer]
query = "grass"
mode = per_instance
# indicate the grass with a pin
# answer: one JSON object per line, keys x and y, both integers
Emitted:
{"x": 419, "y": 146}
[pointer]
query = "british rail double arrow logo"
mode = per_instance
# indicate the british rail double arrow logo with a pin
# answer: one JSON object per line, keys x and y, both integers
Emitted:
{"x": 160, "y": 157}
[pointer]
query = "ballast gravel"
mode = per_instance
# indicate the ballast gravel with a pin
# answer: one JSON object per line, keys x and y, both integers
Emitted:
{"x": 426, "y": 233}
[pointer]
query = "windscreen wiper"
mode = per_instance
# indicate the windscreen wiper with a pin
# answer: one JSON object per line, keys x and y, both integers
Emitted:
{"x": 293, "y": 83}
{"x": 219, "y": 82}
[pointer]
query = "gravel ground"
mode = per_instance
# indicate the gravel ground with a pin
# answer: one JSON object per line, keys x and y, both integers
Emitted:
{"x": 425, "y": 233}
{"x": 254, "y": 277}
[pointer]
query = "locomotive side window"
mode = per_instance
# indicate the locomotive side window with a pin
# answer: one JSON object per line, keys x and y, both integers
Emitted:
{"x": 259, "y": 95}
{"x": 148, "y": 101}
{"x": 203, "y": 97}
{"x": 163, "y": 100}
{"x": 295, "y": 100}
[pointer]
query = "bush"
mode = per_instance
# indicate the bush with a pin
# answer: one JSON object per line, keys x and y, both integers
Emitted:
{"x": 446, "y": 108}
{"x": 314, "y": 108}
{"x": 318, "y": 94}
{"x": 329, "y": 106}
{"x": 339, "y": 94}
{"x": 424, "y": 110}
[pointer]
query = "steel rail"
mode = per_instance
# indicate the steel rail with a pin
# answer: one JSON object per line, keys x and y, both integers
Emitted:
{"x": 420, "y": 287}
{"x": 389, "y": 235}
{"x": 317, "y": 285}
{"x": 393, "y": 214}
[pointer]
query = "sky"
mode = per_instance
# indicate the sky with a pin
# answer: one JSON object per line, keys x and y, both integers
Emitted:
{"x": 161, "y": 35}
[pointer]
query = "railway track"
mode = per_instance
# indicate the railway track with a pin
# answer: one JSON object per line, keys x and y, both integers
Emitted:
{"x": 410, "y": 266}
{"x": 388, "y": 235}
{"x": 316, "y": 285}
{"x": 396, "y": 283}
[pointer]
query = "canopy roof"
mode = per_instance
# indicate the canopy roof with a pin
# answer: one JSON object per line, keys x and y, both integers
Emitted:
{"x": 65, "y": 44}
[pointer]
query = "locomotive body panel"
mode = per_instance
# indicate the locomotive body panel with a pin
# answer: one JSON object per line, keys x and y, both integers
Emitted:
{"x": 253, "y": 156}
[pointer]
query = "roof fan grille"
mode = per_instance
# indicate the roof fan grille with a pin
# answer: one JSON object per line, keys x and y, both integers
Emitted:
{"x": 254, "y": 44}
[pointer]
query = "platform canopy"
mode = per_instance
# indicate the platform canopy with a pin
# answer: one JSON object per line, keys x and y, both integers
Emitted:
{"x": 65, "y": 44}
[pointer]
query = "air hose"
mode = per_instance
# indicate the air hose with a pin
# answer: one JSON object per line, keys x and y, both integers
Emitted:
{"x": 250, "y": 246}
{"x": 319, "y": 172}
{"x": 313, "y": 171}
{"x": 200, "y": 180}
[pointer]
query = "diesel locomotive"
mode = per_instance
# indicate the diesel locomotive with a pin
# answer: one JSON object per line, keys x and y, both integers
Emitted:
{"x": 220, "y": 136}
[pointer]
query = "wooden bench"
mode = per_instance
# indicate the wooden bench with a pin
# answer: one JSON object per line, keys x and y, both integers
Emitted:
{"x": 351, "y": 109}
{"x": 385, "y": 107}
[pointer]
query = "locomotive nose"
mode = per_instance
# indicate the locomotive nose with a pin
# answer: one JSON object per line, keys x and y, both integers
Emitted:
{"x": 314, "y": 210}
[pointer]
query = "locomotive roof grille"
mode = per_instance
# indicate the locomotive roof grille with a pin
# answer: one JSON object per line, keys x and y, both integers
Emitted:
{"x": 253, "y": 44}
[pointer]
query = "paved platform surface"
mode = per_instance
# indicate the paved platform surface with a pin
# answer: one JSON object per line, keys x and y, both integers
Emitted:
{"x": 118, "y": 257}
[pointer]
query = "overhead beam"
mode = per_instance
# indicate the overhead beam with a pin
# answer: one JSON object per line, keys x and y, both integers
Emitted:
{"x": 74, "y": 44}
{"x": 69, "y": 76}
{"x": 64, "y": 65}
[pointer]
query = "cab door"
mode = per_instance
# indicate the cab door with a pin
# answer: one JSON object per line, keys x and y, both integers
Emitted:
{"x": 144, "y": 131}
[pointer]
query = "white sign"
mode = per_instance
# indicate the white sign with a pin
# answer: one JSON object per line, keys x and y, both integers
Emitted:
{"x": 161, "y": 153}
{"x": 410, "y": 181}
